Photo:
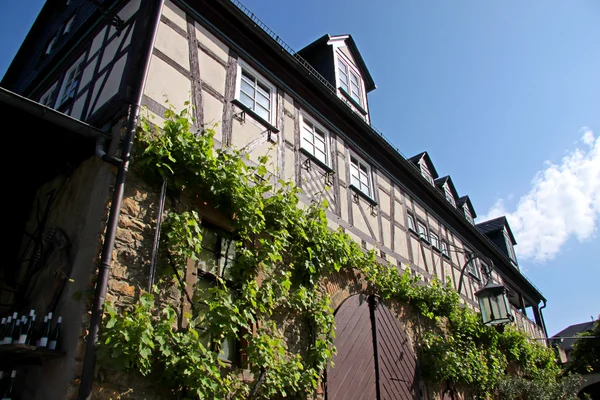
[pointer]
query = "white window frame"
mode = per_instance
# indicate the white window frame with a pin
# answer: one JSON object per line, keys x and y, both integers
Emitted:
{"x": 468, "y": 215}
{"x": 305, "y": 140}
{"x": 350, "y": 71}
{"x": 449, "y": 195}
{"x": 425, "y": 172}
{"x": 509, "y": 247}
{"x": 434, "y": 239}
{"x": 473, "y": 268}
{"x": 69, "y": 84}
{"x": 359, "y": 173}
{"x": 410, "y": 222}
{"x": 243, "y": 66}
{"x": 46, "y": 97}
{"x": 424, "y": 232}
{"x": 444, "y": 248}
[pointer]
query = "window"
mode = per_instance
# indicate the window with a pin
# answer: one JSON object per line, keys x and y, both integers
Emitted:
{"x": 360, "y": 175}
{"x": 435, "y": 240}
{"x": 70, "y": 83}
{"x": 218, "y": 253}
{"x": 422, "y": 230}
{"x": 48, "y": 98}
{"x": 468, "y": 215}
{"x": 69, "y": 24}
{"x": 472, "y": 268}
{"x": 425, "y": 172}
{"x": 50, "y": 45}
{"x": 256, "y": 93}
{"x": 445, "y": 249}
{"x": 314, "y": 139}
{"x": 411, "y": 222}
{"x": 449, "y": 195}
{"x": 215, "y": 260}
{"x": 349, "y": 81}
{"x": 510, "y": 248}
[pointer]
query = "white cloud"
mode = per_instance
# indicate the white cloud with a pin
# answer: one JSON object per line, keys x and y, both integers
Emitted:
{"x": 564, "y": 201}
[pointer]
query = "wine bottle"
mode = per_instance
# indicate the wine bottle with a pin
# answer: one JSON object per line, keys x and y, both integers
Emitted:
{"x": 6, "y": 329}
{"x": 16, "y": 332}
{"x": 55, "y": 335}
{"x": 2, "y": 329}
{"x": 8, "y": 333}
{"x": 30, "y": 331}
{"x": 24, "y": 329}
{"x": 8, "y": 394}
{"x": 45, "y": 333}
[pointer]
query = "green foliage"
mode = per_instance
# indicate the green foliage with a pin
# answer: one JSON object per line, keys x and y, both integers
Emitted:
{"x": 283, "y": 252}
{"x": 586, "y": 352}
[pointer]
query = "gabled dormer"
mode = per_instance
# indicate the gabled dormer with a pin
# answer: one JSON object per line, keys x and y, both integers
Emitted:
{"x": 338, "y": 60}
{"x": 447, "y": 187}
{"x": 423, "y": 162}
{"x": 466, "y": 207}
{"x": 500, "y": 233}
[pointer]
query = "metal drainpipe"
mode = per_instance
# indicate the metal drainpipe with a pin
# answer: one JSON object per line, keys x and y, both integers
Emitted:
{"x": 542, "y": 317}
{"x": 89, "y": 362}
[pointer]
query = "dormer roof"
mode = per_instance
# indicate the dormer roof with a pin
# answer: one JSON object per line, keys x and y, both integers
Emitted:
{"x": 439, "y": 183}
{"x": 321, "y": 43}
{"x": 497, "y": 225}
{"x": 465, "y": 200}
{"x": 425, "y": 157}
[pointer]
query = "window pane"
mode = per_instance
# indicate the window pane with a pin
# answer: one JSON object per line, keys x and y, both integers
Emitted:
{"x": 247, "y": 76}
{"x": 263, "y": 89}
{"x": 411, "y": 222}
{"x": 262, "y": 112}
{"x": 247, "y": 88}
{"x": 320, "y": 145}
{"x": 263, "y": 101}
{"x": 321, "y": 156}
{"x": 227, "y": 349}
{"x": 247, "y": 100}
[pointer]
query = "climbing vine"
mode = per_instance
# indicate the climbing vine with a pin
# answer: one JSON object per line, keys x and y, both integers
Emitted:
{"x": 283, "y": 254}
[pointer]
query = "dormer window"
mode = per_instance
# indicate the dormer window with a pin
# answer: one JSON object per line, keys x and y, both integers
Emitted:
{"x": 51, "y": 44}
{"x": 69, "y": 25}
{"x": 449, "y": 195}
{"x": 468, "y": 215}
{"x": 425, "y": 172}
{"x": 510, "y": 248}
{"x": 349, "y": 81}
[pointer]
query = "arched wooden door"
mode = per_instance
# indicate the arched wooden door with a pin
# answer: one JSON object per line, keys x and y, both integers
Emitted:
{"x": 373, "y": 360}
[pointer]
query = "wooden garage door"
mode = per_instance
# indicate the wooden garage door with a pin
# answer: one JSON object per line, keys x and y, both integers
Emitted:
{"x": 373, "y": 358}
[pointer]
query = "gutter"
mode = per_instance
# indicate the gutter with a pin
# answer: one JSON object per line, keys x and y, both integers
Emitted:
{"x": 89, "y": 362}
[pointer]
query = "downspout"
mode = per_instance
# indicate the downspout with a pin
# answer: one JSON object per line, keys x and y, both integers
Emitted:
{"x": 89, "y": 362}
{"x": 542, "y": 317}
{"x": 101, "y": 153}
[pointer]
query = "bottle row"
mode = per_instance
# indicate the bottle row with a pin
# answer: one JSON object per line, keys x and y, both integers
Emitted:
{"x": 24, "y": 330}
{"x": 7, "y": 384}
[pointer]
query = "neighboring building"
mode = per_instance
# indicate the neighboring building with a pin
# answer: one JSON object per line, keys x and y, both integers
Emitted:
{"x": 563, "y": 341}
{"x": 309, "y": 110}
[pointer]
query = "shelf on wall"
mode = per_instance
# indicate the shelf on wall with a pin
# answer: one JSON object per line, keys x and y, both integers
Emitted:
{"x": 23, "y": 354}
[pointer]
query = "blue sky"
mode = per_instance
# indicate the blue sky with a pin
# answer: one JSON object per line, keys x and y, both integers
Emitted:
{"x": 498, "y": 93}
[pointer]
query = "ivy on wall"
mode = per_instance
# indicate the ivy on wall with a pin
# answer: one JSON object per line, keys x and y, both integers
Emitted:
{"x": 283, "y": 251}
